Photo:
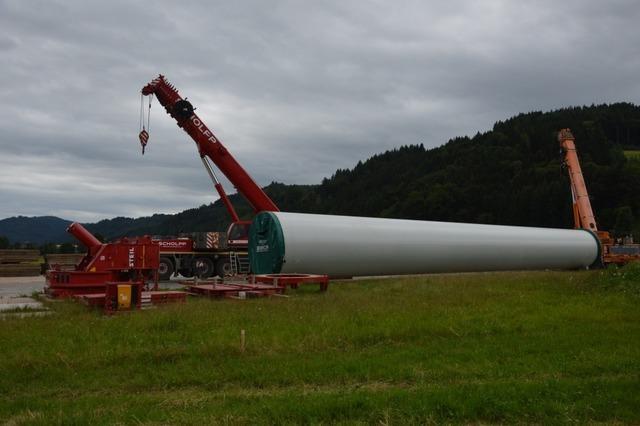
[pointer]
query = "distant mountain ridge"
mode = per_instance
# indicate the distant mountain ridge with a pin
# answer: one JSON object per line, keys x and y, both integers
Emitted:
{"x": 509, "y": 175}
{"x": 36, "y": 230}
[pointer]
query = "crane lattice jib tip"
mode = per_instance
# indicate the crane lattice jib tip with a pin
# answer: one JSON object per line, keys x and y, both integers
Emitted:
{"x": 164, "y": 91}
{"x": 565, "y": 134}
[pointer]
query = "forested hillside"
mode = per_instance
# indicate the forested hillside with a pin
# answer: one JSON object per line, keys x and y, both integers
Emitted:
{"x": 36, "y": 230}
{"x": 509, "y": 175}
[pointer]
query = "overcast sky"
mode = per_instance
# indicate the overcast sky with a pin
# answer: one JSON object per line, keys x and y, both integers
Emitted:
{"x": 294, "y": 89}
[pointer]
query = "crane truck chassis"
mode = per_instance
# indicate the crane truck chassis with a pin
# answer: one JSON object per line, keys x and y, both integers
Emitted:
{"x": 201, "y": 254}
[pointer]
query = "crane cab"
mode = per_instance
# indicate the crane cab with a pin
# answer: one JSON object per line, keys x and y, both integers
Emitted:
{"x": 238, "y": 234}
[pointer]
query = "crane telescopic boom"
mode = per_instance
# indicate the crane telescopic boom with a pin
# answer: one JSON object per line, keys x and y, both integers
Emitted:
{"x": 209, "y": 147}
{"x": 612, "y": 252}
{"x": 582, "y": 212}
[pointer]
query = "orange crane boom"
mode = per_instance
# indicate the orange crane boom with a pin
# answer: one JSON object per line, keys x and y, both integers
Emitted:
{"x": 611, "y": 253}
{"x": 582, "y": 212}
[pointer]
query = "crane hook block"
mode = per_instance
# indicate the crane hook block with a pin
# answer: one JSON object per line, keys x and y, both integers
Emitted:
{"x": 144, "y": 138}
{"x": 182, "y": 109}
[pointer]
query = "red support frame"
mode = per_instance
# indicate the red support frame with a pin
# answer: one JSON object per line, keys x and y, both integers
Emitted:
{"x": 293, "y": 280}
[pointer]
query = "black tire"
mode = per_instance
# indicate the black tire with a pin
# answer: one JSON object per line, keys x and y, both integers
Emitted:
{"x": 223, "y": 267}
{"x": 165, "y": 269}
{"x": 203, "y": 267}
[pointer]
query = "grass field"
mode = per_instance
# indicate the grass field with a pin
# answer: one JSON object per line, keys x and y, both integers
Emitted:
{"x": 536, "y": 347}
{"x": 632, "y": 154}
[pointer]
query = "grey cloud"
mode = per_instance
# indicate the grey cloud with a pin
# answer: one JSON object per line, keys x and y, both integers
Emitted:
{"x": 294, "y": 90}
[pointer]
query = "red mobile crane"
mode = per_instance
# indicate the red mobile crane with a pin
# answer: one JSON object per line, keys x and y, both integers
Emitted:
{"x": 187, "y": 256}
{"x": 583, "y": 216}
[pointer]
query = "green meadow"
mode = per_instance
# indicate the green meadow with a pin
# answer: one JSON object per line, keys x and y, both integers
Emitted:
{"x": 517, "y": 347}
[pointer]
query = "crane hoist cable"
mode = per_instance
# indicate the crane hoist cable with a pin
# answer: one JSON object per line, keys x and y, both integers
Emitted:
{"x": 144, "y": 129}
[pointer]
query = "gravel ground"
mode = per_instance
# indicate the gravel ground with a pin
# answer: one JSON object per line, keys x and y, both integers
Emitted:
{"x": 16, "y": 286}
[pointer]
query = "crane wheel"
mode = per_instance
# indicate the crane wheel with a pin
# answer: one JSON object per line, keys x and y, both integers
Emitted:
{"x": 223, "y": 267}
{"x": 165, "y": 269}
{"x": 204, "y": 267}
